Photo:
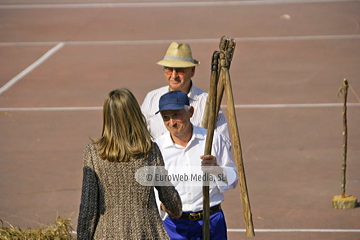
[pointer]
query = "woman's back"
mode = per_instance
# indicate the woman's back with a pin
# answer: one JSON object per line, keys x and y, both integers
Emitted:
{"x": 119, "y": 206}
{"x": 113, "y": 205}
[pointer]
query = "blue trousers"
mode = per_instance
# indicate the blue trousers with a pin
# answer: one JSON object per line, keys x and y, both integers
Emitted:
{"x": 183, "y": 229}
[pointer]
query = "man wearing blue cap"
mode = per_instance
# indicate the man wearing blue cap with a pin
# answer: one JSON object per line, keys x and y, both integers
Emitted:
{"x": 182, "y": 148}
{"x": 179, "y": 69}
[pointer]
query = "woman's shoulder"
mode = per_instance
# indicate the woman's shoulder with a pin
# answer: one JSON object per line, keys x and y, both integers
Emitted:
{"x": 153, "y": 155}
{"x": 154, "y": 146}
{"x": 90, "y": 150}
{"x": 90, "y": 147}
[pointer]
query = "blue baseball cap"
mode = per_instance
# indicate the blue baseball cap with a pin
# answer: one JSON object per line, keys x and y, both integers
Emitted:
{"x": 174, "y": 100}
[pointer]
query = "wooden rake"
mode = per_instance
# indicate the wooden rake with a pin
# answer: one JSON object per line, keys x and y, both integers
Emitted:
{"x": 220, "y": 81}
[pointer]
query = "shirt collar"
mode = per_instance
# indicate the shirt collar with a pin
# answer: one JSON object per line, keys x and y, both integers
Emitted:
{"x": 168, "y": 142}
{"x": 197, "y": 134}
{"x": 192, "y": 92}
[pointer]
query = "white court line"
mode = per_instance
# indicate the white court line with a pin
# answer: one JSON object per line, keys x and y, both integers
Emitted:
{"x": 240, "y": 230}
{"x": 51, "y": 109}
{"x": 165, "y": 4}
{"x": 204, "y": 40}
{"x": 31, "y": 67}
{"x": 297, "y": 230}
{"x": 301, "y": 105}
{"x": 307, "y": 105}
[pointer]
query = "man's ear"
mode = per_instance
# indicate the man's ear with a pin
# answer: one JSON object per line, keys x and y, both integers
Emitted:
{"x": 191, "y": 111}
{"x": 192, "y": 71}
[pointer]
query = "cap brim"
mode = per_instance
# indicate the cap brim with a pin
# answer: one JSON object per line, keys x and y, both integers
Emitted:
{"x": 177, "y": 63}
{"x": 171, "y": 106}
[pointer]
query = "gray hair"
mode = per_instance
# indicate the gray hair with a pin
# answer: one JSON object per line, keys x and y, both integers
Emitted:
{"x": 186, "y": 108}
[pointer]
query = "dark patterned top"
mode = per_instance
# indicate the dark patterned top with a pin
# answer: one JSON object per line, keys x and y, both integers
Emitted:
{"x": 115, "y": 206}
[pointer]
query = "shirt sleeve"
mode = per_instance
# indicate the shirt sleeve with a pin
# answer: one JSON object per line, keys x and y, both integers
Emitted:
{"x": 89, "y": 210}
{"x": 145, "y": 106}
{"x": 226, "y": 161}
{"x": 149, "y": 107}
{"x": 222, "y": 128}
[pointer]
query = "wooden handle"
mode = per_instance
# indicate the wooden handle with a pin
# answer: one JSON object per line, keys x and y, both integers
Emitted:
{"x": 238, "y": 154}
{"x": 210, "y": 123}
{"x": 343, "y": 174}
{"x": 220, "y": 66}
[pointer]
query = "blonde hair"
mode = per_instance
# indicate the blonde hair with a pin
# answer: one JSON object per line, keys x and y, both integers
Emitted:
{"x": 125, "y": 134}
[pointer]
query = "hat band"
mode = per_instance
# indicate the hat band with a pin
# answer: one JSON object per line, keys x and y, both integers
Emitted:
{"x": 179, "y": 58}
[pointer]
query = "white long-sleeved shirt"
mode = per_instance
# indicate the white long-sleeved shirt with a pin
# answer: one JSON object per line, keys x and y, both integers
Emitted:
{"x": 177, "y": 158}
{"x": 197, "y": 98}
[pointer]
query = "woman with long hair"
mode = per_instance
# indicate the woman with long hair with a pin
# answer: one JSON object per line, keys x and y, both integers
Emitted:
{"x": 113, "y": 204}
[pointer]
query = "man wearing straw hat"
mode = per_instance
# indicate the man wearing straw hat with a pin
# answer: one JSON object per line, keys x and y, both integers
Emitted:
{"x": 182, "y": 148}
{"x": 179, "y": 68}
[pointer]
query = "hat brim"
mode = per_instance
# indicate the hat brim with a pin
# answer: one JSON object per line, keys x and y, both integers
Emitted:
{"x": 177, "y": 63}
{"x": 171, "y": 106}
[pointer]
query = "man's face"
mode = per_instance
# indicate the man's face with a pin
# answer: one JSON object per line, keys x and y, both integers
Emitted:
{"x": 179, "y": 78}
{"x": 178, "y": 122}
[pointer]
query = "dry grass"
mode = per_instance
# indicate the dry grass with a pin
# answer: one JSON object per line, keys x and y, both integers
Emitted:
{"x": 60, "y": 230}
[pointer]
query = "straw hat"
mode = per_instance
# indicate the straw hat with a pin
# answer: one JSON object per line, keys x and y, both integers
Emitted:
{"x": 178, "y": 55}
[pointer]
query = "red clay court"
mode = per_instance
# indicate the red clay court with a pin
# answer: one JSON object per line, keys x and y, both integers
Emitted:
{"x": 59, "y": 59}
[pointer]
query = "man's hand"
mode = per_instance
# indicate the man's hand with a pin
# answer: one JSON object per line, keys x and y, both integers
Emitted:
{"x": 210, "y": 165}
